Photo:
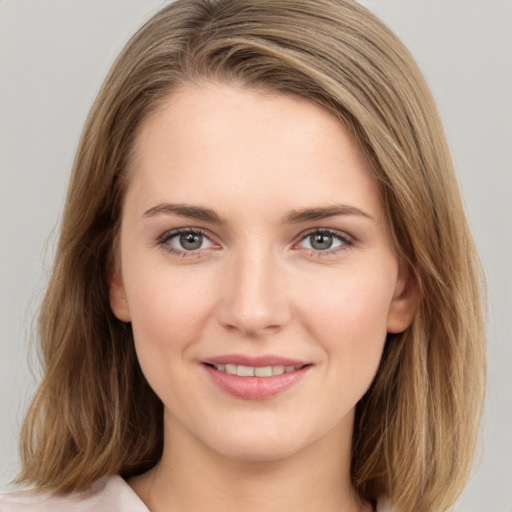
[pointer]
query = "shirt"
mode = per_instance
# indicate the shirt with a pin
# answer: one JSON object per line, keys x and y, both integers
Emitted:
{"x": 108, "y": 494}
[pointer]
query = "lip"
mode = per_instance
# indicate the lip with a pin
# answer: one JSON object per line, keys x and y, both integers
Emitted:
{"x": 255, "y": 388}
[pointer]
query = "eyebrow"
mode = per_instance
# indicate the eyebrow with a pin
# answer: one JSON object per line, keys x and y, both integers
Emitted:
{"x": 185, "y": 210}
{"x": 308, "y": 214}
{"x": 292, "y": 217}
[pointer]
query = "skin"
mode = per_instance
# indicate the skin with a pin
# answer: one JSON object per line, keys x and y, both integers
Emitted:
{"x": 255, "y": 286}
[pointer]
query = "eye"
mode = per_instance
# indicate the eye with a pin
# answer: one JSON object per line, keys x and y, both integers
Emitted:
{"x": 327, "y": 241}
{"x": 184, "y": 241}
{"x": 189, "y": 241}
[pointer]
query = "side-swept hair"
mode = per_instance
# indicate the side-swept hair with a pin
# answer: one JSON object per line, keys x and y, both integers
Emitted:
{"x": 416, "y": 428}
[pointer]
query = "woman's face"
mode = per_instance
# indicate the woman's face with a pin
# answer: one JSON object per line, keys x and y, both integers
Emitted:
{"x": 256, "y": 270}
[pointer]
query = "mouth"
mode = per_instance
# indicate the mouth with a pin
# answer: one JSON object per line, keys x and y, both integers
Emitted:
{"x": 255, "y": 371}
{"x": 252, "y": 378}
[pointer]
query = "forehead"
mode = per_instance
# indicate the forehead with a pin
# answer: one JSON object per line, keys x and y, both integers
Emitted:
{"x": 215, "y": 142}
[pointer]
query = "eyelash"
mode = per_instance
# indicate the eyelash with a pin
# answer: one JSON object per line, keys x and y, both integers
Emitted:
{"x": 346, "y": 241}
{"x": 164, "y": 240}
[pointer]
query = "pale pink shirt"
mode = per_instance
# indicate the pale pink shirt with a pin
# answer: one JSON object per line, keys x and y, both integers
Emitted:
{"x": 108, "y": 494}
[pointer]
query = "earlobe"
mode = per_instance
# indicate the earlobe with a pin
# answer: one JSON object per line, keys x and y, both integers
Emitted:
{"x": 404, "y": 304}
{"x": 117, "y": 296}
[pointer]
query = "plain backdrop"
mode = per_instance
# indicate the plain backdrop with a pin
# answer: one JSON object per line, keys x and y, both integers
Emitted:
{"x": 53, "y": 57}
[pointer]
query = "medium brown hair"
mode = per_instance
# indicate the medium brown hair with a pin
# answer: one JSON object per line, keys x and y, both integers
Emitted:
{"x": 415, "y": 429}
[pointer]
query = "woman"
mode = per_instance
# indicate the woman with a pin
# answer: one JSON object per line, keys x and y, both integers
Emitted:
{"x": 265, "y": 292}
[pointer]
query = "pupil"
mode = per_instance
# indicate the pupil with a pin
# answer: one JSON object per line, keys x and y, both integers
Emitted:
{"x": 191, "y": 241}
{"x": 321, "y": 241}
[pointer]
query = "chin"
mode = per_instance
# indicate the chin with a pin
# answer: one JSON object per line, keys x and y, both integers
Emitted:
{"x": 258, "y": 451}
{"x": 258, "y": 444}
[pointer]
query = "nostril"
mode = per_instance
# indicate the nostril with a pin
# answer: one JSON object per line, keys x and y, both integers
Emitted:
{"x": 252, "y": 331}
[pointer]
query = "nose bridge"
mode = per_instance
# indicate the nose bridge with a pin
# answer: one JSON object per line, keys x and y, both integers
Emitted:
{"x": 255, "y": 299}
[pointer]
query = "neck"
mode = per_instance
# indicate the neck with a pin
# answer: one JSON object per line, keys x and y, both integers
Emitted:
{"x": 192, "y": 477}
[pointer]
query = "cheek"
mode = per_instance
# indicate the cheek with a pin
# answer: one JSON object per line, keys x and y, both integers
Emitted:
{"x": 168, "y": 313}
{"x": 168, "y": 309}
{"x": 349, "y": 317}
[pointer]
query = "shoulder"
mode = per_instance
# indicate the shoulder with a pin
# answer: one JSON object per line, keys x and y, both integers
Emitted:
{"x": 383, "y": 505}
{"x": 108, "y": 494}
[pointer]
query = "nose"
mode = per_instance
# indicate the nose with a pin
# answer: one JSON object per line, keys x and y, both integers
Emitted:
{"x": 255, "y": 296}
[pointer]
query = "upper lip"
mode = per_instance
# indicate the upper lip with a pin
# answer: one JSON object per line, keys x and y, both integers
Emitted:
{"x": 255, "y": 361}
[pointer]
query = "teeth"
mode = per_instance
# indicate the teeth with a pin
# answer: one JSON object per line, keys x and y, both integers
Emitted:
{"x": 245, "y": 371}
{"x": 277, "y": 370}
{"x": 254, "y": 371}
{"x": 263, "y": 371}
{"x": 231, "y": 369}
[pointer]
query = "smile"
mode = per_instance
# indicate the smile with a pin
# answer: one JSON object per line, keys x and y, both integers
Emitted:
{"x": 255, "y": 378}
{"x": 254, "y": 371}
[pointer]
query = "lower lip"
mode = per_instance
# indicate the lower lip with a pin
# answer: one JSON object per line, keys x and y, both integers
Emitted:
{"x": 255, "y": 388}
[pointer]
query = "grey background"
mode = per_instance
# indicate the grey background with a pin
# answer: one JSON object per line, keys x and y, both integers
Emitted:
{"x": 53, "y": 57}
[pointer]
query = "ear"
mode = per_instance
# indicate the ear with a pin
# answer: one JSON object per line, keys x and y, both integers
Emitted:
{"x": 405, "y": 301}
{"x": 117, "y": 295}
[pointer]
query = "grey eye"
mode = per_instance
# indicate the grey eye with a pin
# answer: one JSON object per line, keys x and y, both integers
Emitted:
{"x": 186, "y": 242}
{"x": 191, "y": 241}
{"x": 321, "y": 241}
